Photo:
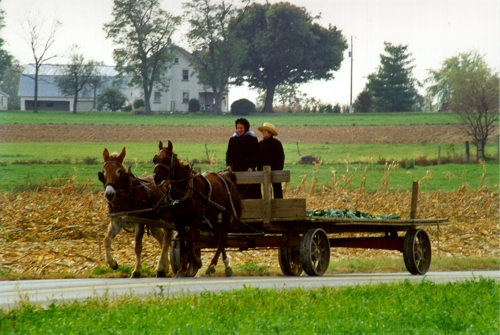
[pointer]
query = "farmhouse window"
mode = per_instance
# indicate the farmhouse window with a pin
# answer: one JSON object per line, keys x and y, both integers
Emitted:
{"x": 185, "y": 97}
{"x": 176, "y": 60}
{"x": 157, "y": 98}
{"x": 185, "y": 74}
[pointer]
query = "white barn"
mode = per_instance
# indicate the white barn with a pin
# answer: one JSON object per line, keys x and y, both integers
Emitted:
{"x": 183, "y": 87}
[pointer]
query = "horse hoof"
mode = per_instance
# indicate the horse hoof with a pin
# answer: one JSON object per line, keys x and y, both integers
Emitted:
{"x": 135, "y": 275}
{"x": 197, "y": 263}
{"x": 229, "y": 272}
{"x": 210, "y": 270}
{"x": 161, "y": 274}
{"x": 180, "y": 274}
{"x": 114, "y": 265}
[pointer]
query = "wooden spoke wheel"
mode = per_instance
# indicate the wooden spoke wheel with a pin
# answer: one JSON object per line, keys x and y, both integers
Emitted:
{"x": 315, "y": 252}
{"x": 175, "y": 258}
{"x": 417, "y": 251}
{"x": 289, "y": 260}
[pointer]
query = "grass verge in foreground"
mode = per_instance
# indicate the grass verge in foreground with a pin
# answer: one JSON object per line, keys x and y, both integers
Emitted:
{"x": 396, "y": 308}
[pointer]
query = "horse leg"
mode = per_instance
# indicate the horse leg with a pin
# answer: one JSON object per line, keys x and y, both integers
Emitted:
{"x": 139, "y": 234}
{"x": 225, "y": 223}
{"x": 113, "y": 230}
{"x": 181, "y": 234}
{"x": 164, "y": 237}
{"x": 221, "y": 235}
{"x": 193, "y": 233}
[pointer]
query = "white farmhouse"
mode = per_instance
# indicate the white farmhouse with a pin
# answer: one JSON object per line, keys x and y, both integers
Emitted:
{"x": 183, "y": 87}
{"x": 4, "y": 100}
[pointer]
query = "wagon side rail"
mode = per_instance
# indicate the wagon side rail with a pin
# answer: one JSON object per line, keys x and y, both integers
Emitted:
{"x": 268, "y": 209}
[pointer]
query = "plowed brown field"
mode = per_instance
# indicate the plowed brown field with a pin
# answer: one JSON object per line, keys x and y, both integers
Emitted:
{"x": 343, "y": 135}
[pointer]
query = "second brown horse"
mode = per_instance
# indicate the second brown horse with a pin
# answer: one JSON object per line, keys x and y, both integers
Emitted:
{"x": 194, "y": 198}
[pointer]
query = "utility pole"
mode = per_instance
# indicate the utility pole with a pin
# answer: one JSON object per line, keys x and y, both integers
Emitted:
{"x": 352, "y": 58}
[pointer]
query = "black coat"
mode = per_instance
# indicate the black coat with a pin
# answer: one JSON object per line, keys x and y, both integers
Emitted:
{"x": 272, "y": 154}
{"x": 242, "y": 153}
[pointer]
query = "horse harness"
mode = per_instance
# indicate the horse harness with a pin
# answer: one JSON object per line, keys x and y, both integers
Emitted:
{"x": 142, "y": 183}
{"x": 188, "y": 193}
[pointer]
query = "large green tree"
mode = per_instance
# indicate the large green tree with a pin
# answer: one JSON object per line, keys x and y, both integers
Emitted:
{"x": 393, "y": 87}
{"x": 75, "y": 77}
{"x": 217, "y": 53}
{"x": 142, "y": 30}
{"x": 286, "y": 46}
{"x": 471, "y": 89}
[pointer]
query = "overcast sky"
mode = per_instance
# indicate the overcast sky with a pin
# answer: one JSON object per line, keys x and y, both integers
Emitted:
{"x": 434, "y": 30}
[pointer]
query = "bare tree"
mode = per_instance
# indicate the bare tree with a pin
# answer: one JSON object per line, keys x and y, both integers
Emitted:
{"x": 40, "y": 41}
{"x": 76, "y": 76}
{"x": 471, "y": 88}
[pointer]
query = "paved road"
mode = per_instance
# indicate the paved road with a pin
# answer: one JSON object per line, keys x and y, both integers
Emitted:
{"x": 46, "y": 291}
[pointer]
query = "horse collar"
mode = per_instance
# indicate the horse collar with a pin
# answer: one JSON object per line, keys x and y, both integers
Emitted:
{"x": 189, "y": 188}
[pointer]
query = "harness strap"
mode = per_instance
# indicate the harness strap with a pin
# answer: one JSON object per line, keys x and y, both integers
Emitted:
{"x": 228, "y": 194}
{"x": 189, "y": 189}
{"x": 208, "y": 197}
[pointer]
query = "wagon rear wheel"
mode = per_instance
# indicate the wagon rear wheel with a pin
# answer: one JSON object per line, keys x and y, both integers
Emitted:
{"x": 289, "y": 260}
{"x": 315, "y": 252}
{"x": 417, "y": 251}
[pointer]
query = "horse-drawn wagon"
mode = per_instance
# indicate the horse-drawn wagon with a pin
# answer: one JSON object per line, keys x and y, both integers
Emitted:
{"x": 303, "y": 242}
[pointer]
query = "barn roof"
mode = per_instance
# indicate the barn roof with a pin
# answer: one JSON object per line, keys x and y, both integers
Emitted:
{"x": 47, "y": 75}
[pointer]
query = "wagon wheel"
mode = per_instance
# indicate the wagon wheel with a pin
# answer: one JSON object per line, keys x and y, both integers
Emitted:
{"x": 417, "y": 251}
{"x": 315, "y": 252}
{"x": 289, "y": 260}
{"x": 175, "y": 258}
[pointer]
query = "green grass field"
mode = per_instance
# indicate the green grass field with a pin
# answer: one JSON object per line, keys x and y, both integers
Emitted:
{"x": 469, "y": 307}
{"x": 198, "y": 119}
{"x": 25, "y": 165}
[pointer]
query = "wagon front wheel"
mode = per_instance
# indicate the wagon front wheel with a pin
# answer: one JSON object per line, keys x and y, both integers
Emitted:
{"x": 417, "y": 251}
{"x": 289, "y": 260}
{"x": 315, "y": 252}
{"x": 175, "y": 258}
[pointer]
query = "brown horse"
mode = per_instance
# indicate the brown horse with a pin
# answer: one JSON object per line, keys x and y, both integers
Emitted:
{"x": 194, "y": 198}
{"x": 126, "y": 193}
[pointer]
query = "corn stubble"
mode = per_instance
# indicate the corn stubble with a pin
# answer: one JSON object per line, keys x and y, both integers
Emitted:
{"x": 57, "y": 232}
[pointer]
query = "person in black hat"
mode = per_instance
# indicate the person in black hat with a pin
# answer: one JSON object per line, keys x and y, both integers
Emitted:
{"x": 243, "y": 155}
{"x": 272, "y": 154}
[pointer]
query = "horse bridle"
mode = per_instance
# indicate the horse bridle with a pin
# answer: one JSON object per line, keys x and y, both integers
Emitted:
{"x": 111, "y": 162}
{"x": 170, "y": 169}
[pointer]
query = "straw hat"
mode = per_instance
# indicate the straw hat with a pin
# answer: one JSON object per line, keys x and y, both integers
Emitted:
{"x": 269, "y": 127}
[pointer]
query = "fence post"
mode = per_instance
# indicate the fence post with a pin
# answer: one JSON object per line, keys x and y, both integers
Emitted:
{"x": 467, "y": 152}
{"x": 414, "y": 200}
{"x": 498, "y": 148}
{"x": 439, "y": 155}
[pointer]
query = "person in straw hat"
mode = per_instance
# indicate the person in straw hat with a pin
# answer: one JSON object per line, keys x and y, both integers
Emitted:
{"x": 271, "y": 153}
